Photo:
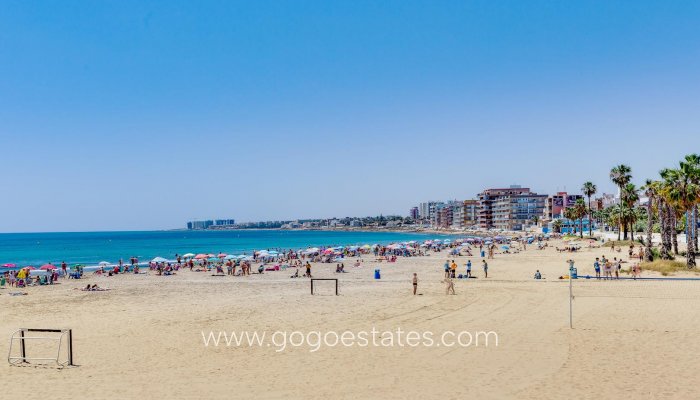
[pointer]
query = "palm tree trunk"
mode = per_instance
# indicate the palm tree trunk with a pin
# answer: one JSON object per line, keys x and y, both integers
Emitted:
{"x": 580, "y": 226}
{"x": 648, "y": 255}
{"x": 590, "y": 218}
{"x": 665, "y": 231}
{"x": 690, "y": 254}
{"x": 674, "y": 232}
{"x": 695, "y": 227}
{"x": 625, "y": 225}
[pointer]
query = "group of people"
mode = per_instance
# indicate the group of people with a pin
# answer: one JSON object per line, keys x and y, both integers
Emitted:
{"x": 451, "y": 269}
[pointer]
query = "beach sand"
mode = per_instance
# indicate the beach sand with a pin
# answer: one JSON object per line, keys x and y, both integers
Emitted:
{"x": 143, "y": 338}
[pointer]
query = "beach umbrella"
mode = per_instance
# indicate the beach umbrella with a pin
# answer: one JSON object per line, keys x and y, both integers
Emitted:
{"x": 159, "y": 260}
{"x": 29, "y": 267}
{"x": 47, "y": 267}
{"x": 9, "y": 265}
{"x": 505, "y": 247}
{"x": 188, "y": 255}
{"x": 230, "y": 257}
{"x": 222, "y": 255}
{"x": 103, "y": 263}
{"x": 200, "y": 256}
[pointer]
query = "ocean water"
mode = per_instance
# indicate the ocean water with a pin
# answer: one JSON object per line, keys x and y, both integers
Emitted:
{"x": 92, "y": 247}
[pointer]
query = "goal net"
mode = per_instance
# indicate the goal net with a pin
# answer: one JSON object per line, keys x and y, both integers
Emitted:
{"x": 324, "y": 286}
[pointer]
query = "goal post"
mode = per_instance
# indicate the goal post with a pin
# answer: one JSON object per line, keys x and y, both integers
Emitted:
{"x": 23, "y": 336}
{"x": 324, "y": 279}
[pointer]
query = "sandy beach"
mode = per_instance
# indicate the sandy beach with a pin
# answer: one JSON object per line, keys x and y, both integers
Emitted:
{"x": 143, "y": 338}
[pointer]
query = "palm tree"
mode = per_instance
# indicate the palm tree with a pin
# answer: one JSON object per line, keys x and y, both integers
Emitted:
{"x": 580, "y": 211}
{"x": 621, "y": 176}
{"x": 694, "y": 161}
{"x": 556, "y": 225}
{"x": 589, "y": 189}
{"x": 628, "y": 198}
{"x": 650, "y": 190}
{"x": 684, "y": 195}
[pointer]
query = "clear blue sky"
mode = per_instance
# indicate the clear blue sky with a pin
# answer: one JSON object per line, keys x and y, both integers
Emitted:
{"x": 144, "y": 114}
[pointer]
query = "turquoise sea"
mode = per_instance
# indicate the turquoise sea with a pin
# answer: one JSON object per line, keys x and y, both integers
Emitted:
{"x": 92, "y": 247}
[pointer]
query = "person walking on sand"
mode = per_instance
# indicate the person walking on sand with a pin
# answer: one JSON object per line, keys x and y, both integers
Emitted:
{"x": 415, "y": 283}
{"x": 486, "y": 268}
{"x": 449, "y": 286}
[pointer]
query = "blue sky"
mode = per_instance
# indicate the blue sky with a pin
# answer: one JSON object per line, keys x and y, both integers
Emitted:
{"x": 143, "y": 115}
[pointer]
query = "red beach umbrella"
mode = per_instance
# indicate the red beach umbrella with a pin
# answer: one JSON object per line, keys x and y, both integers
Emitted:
{"x": 47, "y": 267}
{"x": 222, "y": 255}
{"x": 200, "y": 257}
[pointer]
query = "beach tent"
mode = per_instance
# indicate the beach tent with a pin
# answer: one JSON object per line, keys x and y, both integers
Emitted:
{"x": 159, "y": 260}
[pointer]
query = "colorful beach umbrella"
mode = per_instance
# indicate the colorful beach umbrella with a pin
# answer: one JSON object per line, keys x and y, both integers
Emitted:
{"x": 201, "y": 256}
{"x": 222, "y": 255}
{"x": 47, "y": 267}
{"x": 9, "y": 265}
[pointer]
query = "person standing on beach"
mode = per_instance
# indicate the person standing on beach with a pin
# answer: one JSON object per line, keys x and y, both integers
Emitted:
{"x": 308, "y": 269}
{"x": 447, "y": 269}
{"x": 469, "y": 268}
{"x": 415, "y": 283}
{"x": 596, "y": 266}
{"x": 453, "y": 269}
{"x": 64, "y": 268}
{"x": 486, "y": 268}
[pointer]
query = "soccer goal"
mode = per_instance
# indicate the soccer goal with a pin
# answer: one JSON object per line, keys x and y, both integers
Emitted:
{"x": 315, "y": 284}
{"x": 48, "y": 346}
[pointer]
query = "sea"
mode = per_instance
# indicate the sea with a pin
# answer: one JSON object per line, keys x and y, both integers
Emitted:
{"x": 90, "y": 248}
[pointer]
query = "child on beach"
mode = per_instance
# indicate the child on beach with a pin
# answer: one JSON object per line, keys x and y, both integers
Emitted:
{"x": 308, "y": 270}
{"x": 486, "y": 268}
{"x": 596, "y": 266}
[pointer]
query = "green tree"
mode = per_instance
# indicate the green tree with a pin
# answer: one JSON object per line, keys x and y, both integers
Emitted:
{"x": 621, "y": 175}
{"x": 589, "y": 189}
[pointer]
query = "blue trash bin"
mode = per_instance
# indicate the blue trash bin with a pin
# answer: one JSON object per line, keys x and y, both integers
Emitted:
{"x": 377, "y": 275}
{"x": 573, "y": 273}
{"x": 483, "y": 254}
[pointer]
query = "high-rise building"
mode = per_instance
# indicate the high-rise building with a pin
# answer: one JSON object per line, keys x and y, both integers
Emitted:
{"x": 470, "y": 216}
{"x": 510, "y": 208}
{"x": 414, "y": 214}
{"x": 557, "y": 203}
{"x": 198, "y": 225}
